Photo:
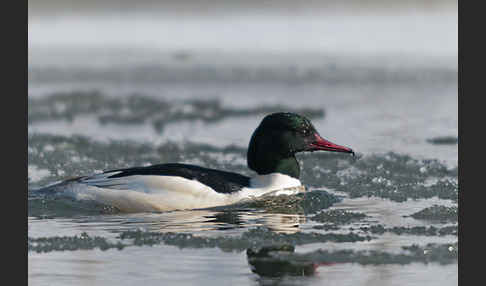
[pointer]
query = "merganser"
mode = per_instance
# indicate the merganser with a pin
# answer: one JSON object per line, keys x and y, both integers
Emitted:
{"x": 175, "y": 186}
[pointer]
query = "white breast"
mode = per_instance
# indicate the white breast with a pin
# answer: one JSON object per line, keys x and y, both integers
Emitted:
{"x": 274, "y": 183}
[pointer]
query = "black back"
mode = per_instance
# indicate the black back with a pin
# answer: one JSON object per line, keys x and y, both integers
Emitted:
{"x": 220, "y": 181}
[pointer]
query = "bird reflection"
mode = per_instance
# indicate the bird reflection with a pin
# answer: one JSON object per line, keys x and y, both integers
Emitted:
{"x": 272, "y": 261}
{"x": 206, "y": 220}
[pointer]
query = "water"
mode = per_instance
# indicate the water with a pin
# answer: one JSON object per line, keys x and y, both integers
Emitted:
{"x": 120, "y": 97}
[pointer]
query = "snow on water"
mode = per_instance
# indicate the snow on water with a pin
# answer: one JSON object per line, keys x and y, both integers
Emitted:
{"x": 406, "y": 119}
{"x": 36, "y": 174}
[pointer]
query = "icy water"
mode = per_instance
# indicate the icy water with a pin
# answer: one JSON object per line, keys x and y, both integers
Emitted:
{"x": 385, "y": 217}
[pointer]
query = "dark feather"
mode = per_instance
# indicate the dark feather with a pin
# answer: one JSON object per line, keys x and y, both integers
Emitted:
{"x": 220, "y": 181}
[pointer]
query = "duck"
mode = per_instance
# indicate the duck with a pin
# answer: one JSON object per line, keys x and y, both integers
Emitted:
{"x": 178, "y": 186}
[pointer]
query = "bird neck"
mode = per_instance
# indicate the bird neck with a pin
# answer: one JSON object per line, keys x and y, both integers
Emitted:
{"x": 269, "y": 162}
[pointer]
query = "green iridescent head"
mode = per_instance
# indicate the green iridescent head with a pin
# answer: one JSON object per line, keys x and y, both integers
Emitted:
{"x": 279, "y": 136}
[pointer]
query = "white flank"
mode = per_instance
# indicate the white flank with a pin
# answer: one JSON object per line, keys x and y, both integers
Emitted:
{"x": 165, "y": 193}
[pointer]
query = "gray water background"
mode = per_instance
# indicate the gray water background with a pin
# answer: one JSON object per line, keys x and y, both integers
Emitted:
{"x": 122, "y": 85}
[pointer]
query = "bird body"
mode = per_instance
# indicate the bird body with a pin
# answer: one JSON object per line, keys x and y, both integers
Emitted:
{"x": 174, "y": 186}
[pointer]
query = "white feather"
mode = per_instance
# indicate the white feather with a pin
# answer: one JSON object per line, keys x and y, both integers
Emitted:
{"x": 139, "y": 193}
{"x": 274, "y": 183}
